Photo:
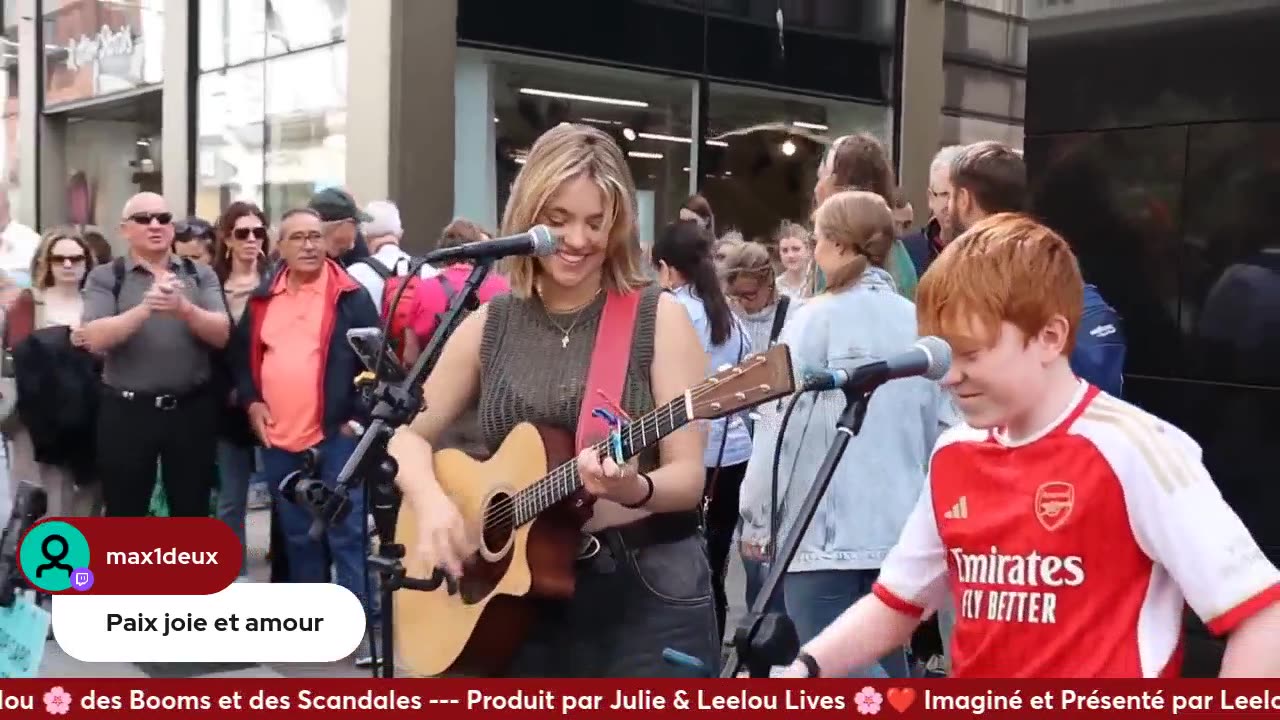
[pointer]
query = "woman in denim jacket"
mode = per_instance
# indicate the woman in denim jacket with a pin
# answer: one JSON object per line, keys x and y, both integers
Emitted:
{"x": 858, "y": 317}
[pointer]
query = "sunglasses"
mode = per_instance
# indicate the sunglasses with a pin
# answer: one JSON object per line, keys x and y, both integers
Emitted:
{"x": 244, "y": 233}
{"x": 63, "y": 259}
{"x": 143, "y": 218}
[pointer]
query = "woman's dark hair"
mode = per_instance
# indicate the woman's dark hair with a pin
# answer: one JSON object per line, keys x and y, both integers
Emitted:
{"x": 861, "y": 162}
{"x": 698, "y": 205}
{"x": 222, "y": 232}
{"x": 98, "y": 243}
{"x": 686, "y": 247}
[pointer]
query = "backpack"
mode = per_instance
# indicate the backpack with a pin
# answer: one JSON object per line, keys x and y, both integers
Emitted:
{"x": 1099, "y": 354}
{"x": 117, "y": 270}
{"x": 402, "y": 322}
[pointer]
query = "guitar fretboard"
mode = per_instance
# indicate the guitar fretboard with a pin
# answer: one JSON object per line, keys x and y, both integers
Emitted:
{"x": 562, "y": 482}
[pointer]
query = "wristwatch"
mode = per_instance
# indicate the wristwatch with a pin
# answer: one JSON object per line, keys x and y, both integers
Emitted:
{"x": 810, "y": 665}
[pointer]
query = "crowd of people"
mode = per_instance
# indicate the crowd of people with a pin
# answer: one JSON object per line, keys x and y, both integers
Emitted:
{"x": 211, "y": 358}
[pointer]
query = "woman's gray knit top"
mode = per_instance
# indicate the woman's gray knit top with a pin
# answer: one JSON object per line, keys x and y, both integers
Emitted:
{"x": 526, "y": 375}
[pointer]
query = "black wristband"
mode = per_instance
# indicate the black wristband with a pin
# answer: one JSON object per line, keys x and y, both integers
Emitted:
{"x": 810, "y": 665}
{"x": 647, "y": 496}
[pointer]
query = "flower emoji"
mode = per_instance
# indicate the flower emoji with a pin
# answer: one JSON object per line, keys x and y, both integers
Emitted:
{"x": 868, "y": 701}
{"x": 57, "y": 701}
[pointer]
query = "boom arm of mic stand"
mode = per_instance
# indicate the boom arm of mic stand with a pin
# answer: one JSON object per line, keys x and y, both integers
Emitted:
{"x": 779, "y": 643}
{"x": 399, "y": 404}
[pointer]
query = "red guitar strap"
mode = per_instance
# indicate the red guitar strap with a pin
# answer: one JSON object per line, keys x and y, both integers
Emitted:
{"x": 607, "y": 372}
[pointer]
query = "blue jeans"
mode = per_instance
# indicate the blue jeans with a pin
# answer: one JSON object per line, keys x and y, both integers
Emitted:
{"x": 346, "y": 538}
{"x": 235, "y": 473}
{"x": 757, "y": 571}
{"x": 816, "y": 598}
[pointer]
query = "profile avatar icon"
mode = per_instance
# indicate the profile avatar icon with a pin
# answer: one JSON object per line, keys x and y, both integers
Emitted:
{"x": 51, "y": 553}
{"x": 55, "y": 560}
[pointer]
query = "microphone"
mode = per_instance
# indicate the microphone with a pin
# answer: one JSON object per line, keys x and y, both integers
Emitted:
{"x": 537, "y": 241}
{"x": 929, "y": 356}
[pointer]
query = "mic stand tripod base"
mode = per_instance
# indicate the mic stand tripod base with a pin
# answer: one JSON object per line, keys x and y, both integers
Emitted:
{"x": 766, "y": 641}
{"x": 763, "y": 640}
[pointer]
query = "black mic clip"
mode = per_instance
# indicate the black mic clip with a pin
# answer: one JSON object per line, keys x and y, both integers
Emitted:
{"x": 388, "y": 563}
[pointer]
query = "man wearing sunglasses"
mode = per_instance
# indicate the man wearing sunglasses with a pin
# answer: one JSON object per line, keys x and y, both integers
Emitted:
{"x": 155, "y": 318}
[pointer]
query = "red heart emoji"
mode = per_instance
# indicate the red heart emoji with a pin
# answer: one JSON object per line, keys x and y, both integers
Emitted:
{"x": 901, "y": 698}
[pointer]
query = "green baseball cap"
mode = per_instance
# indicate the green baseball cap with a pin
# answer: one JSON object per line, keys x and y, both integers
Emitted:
{"x": 337, "y": 204}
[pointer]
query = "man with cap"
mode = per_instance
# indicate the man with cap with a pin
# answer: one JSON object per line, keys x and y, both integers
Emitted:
{"x": 383, "y": 233}
{"x": 341, "y": 218}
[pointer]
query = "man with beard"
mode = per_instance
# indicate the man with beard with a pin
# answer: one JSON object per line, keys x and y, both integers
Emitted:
{"x": 988, "y": 178}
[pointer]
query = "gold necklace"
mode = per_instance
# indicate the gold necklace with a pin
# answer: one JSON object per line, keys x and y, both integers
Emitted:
{"x": 564, "y": 341}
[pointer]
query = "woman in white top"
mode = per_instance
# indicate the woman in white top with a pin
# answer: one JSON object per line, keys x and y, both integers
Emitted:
{"x": 61, "y": 262}
{"x": 682, "y": 254}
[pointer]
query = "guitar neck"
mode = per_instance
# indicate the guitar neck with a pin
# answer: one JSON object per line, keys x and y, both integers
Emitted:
{"x": 637, "y": 436}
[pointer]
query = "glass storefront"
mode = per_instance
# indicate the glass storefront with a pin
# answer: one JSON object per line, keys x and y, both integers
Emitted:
{"x": 102, "y": 74}
{"x": 96, "y": 48}
{"x": 10, "y": 153}
{"x": 760, "y": 154}
{"x": 763, "y": 151}
{"x": 271, "y": 102}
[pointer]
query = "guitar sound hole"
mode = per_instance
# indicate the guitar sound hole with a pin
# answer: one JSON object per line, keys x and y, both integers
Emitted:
{"x": 499, "y": 522}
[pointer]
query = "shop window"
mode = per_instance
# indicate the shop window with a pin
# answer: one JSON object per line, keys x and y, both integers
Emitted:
{"x": 763, "y": 151}
{"x": 233, "y": 32}
{"x": 650, "y": 117}
{"x": 95, "y": 48}
{"x": 272, "y": 132}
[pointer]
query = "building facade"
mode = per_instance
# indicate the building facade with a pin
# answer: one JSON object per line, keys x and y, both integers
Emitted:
{"x": 434, "y": 104}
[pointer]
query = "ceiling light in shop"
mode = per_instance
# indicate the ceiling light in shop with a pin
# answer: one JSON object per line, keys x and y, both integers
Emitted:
{"x": 645, "y": 155}
{"x": 811, "y": 126}
{"x": 717, "y": 143}
{"x": 629, "y": 134}
{"x": 584, "y": 98}
{"x": 665, "y": 138}
{"x": 520, "y": 160}
{"x": 788, "y": 148}
{"x": 598, "y": 121}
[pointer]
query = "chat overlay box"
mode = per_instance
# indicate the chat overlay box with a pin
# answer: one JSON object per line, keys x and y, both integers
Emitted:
{"x": 247, "y": 622}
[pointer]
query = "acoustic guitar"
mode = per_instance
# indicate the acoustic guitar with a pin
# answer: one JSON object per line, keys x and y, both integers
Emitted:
{"x": 527, "y": 506}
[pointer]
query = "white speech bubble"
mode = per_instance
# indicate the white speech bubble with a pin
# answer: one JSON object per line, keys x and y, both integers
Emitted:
{"x": 332, "y": 611}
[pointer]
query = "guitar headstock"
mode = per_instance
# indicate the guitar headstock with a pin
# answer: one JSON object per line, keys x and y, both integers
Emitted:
{"x": 757, "y": 379}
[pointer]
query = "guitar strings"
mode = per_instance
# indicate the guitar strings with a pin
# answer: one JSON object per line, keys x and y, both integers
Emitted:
{"x": 503, "y": 513}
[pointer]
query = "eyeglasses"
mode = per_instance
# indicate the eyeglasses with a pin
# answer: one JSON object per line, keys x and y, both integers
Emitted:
{"x": 64, "y": 259}
{"x": 144, "y": 218}
{"x": 313, "y": 238}
{"x": 244, "y": 233}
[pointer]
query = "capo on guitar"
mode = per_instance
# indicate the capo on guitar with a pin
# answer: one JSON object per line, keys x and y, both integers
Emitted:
{"x": 615, "y": 434}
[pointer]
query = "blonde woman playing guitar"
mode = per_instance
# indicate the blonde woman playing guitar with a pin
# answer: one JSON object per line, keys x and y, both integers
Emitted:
{"x": 643, "y": 582}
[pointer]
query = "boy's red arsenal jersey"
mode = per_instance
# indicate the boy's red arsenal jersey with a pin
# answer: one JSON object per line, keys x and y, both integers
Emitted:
{"x": 1072, "y": 553}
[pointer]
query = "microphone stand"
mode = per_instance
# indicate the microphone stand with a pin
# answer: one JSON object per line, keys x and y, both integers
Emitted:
{"x": 395, "y": 405}
{"x": 29, "y": 505}
{"x": 763, "y": 640}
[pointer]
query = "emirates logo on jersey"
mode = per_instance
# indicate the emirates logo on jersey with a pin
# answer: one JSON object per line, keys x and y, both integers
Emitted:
{"x": 1054, "y": 501}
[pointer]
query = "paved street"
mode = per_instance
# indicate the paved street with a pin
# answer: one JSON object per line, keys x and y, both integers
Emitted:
{"x": 58, "y": 664}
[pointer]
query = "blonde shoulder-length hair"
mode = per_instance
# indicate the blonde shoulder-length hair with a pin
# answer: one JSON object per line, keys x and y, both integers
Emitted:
{"x": 561, "y": 154}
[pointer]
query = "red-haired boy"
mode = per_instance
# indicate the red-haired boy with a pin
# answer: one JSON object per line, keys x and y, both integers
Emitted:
{"x": 1068, "y": 526}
